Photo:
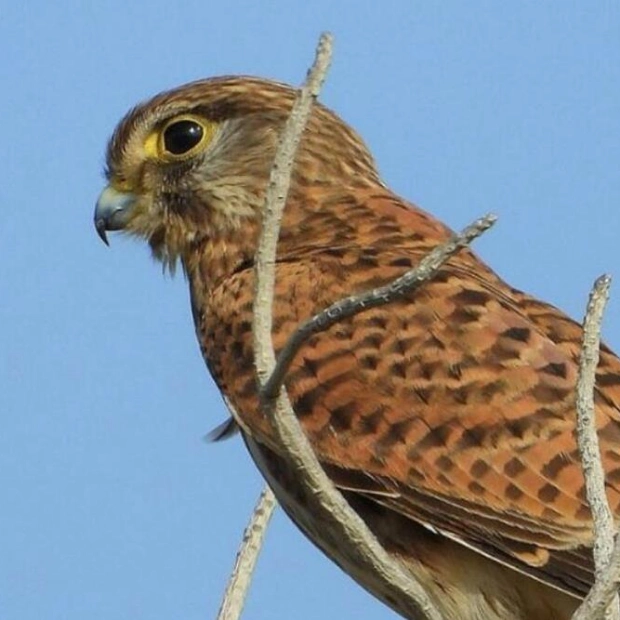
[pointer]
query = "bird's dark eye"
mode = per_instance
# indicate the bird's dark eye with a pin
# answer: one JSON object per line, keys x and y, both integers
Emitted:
{"x": 182, "y": 136}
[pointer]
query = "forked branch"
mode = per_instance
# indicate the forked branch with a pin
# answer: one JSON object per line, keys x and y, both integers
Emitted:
{"x": 326, "y": 502}
{"x": 602, "y": 601}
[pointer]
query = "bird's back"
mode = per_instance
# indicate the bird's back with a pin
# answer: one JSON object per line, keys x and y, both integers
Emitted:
{"x": 452, "y": 407}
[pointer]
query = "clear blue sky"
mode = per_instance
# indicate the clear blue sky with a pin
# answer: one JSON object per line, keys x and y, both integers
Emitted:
{"x": 112, "y": 506}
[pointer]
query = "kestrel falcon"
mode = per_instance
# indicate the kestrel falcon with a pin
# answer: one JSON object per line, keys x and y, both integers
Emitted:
{"x": 446, "y": 417}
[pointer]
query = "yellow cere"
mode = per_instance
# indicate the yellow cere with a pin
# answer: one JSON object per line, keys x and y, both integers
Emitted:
{"x": 122, "y": 186}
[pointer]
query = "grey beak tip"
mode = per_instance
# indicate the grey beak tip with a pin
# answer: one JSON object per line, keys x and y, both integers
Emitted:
{"x": 100, "y": 225}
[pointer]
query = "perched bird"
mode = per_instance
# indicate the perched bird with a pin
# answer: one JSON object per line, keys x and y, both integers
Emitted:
{"x": 446, "y": 417}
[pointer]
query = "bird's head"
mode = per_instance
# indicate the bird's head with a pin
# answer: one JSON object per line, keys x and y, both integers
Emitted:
{"x": 191, "y": 165}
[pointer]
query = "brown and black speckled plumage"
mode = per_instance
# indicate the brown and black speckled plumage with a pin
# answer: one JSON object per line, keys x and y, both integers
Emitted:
{"x": 447, "y": 417}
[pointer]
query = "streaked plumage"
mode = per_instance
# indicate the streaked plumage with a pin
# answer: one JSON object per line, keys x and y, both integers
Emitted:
{"x": 447, "y": 417}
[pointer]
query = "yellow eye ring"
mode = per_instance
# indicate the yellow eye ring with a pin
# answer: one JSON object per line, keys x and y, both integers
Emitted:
{"x": 180, "y": 138}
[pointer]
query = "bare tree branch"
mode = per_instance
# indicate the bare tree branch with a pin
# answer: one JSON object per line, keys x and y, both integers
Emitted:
{"x": 603, "y": 591}
{"x": 241, "y": 576}
{"x": 355, "y": 304}
{"x": 587, "y": 439}
{"x": 328, "y": 505}
{"x": 586, "y": 425}
{"x": 275, "y": 199}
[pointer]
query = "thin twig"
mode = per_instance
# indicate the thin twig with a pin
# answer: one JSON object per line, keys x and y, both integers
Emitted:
{"x": 326, "y": 503}
{"x": 343, "y": 527}
{"x": 587, "y": 440}
{"x": 241, "y": 576}
{"x": 594, "y": 473}
{"x": 275, "y": 199}
{"x": 604, "y": 590}
{"x": 355, "y": 304}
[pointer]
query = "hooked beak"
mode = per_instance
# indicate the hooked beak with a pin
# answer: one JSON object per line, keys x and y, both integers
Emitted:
{"x": 113, "y": 211}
